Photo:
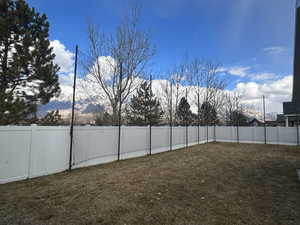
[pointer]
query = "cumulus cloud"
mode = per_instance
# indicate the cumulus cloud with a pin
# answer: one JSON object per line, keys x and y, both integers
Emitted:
{"x": 276, "y": 92}
{"x": 263, "y": 76}
{"x": 63, "y": 57}
{"x": 251, "y": 93}
{"x": 106, "y": 66}
{"x": 275, "y": 89}
{"x": 275, "y": 50}
{"x": 245, "y": 72}
{"x": 239, "y": 71}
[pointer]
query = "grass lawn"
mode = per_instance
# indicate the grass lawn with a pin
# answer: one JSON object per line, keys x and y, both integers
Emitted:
{"x": 209, "y": 184}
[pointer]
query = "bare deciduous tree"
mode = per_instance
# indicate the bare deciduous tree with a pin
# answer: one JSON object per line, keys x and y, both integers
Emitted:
{"x": 231, "y": 105}
{"x": 235, "y": 112}
{"x": 208, "y": 84}
{"x": 166, "y": 97}
{"x": 116, "y": 62}
{"x": 200, "y": 78}
{"x": 177, "y": 78}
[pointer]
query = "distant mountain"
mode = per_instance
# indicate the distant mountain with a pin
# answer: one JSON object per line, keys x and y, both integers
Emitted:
{"x": 91, "y": 108}
{"x": 81, "y": 107}
{"x": 89, "y": 96}
{"x": 53, "y": 105}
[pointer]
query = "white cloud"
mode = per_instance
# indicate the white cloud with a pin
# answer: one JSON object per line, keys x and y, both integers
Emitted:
{"x": 275, "y": 92}
{"x": 63, "y": 57}
{"x": 263, "y": 76}
{"x": 66, "y": 79}
{"x": 244, "y": 72}
{"x": 106, "y": 66}
{"x": 275, "y": 50}
{"x": 238, "y": 71}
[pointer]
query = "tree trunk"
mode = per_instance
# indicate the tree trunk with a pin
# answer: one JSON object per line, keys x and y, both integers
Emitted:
{"x": 115, "y": 116}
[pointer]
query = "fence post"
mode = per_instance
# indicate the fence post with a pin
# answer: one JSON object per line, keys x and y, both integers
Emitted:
{"x": 171, "y": 115}
{"x": 150, "y": 139}
{"x": 237, "y": 123}
{"x": 265, "y": 129}
{"x": 150, "y": 125}
{"x": 277, "y": 130}
{"x": 73, "y": 108}
{"x": 186, "y": 124}
{"x": 206, "y": 132}
{"x": 119, "y": 113}
{"x": 198, "y": 104}
{"x": 237, "y": 134}
{"x": 297, "y": 125}
{"x": 215, "y": 136}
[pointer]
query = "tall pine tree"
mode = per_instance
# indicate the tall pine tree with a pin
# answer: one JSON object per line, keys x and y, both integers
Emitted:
{"x": 144, "y": 107}
{"x": 28, "y": 76}
{"x": 184, "y": 112}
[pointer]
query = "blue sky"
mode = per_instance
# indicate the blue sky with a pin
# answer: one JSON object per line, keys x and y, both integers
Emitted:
{"x": 251, "y": 38}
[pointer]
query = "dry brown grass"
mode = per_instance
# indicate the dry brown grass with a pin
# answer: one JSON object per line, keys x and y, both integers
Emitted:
{"x": 208, "y": 184}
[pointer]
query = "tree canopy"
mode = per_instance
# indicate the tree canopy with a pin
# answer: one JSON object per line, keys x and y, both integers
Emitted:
{"x": 184, "y": 112}
{"x": 144, "y": 108}
{"x": 237, "y": 118}
{"x": 208, "y": 114}
{"x": 128, "y": 50}
{"x": 28, "y": 75}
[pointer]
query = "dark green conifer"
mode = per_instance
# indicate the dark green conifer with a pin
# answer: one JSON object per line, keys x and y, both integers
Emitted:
{"x": 144, "y": 107}
{"x": 28, "y": 76}
{"x": 184, "y": 112}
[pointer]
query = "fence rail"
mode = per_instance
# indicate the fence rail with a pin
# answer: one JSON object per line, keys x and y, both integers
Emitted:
{"x": 32, "y": 151}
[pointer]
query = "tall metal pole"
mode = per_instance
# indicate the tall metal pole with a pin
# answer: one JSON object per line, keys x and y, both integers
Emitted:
{"x": 186, "y": 124}
{"x": 265, "y": 129}
{"x": 297, "y": 125}
{"x": 215, "y": 120}
{"x": 237, "y": 122}
{"x": 171, "y": 116}
{"x": 206, "y": 117}
{"x": 198, "y": 102}
{"x": 73, "y": 109}
{"x": 296, "y": 38}
{"x": 119, "y": 113}
{"x": 150, "y": 124}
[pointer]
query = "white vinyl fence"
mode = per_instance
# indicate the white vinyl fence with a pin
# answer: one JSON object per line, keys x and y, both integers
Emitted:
{"x": 32, "y": 151}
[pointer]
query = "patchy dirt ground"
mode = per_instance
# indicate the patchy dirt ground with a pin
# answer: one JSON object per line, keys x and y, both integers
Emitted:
{"x": 209, "y": 184}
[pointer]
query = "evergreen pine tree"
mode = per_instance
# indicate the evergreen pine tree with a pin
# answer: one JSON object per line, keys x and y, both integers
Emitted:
{"x": 144, "y": 107}
{"x": 28, "y": 76}
{"x": 184, "y": 112}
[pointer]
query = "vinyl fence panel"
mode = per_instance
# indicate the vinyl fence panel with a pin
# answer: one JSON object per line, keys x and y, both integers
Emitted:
{"x": 179, "y": 140}
{"x": 33, "y": 151}
{"x": 135, "y": 142}
{"x": 15, "y": 145}
{"x": 193, "y": 135}
{"x": 160, "y": 139}
{"x": 49, "y": 150}
{"x": 287, "y": 135}
{"x": 94, "y": 145}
